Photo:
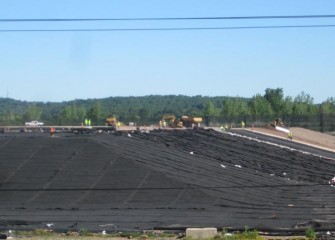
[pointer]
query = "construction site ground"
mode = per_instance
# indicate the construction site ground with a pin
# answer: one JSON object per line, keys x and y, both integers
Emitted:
{"x": 303, "y": 135}
{"x": 167, "y": 179}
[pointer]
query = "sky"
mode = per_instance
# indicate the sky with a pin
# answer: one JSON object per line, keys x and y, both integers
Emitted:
{"x": 63, "y": 66}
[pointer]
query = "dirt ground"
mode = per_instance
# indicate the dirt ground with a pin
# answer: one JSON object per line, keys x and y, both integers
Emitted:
{"x": 305, "y": 136}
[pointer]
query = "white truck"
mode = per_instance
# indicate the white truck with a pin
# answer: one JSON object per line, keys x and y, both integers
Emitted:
{"x": 34, "y": 124}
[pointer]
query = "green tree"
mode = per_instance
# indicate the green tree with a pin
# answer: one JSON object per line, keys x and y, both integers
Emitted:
{"x": 144, "y": 115}
{"x": 287, "y": 106}
{"x": 94, "y": 113}
{"x": 275, "y": 98}
{"x": 259, "y": 106}
{"x": 151, "y": 109}
{"x": 303, "y": 105}
{"x": 9, "y": 117}
{"x": 234, "y": 108}
{"x": 227, "y": 111}
{"x": 328, "y": 106}
{"x": 81, "y": 114}
{"x": 33, "y": 112}
{"x": 68, "y": 115}
{"x": 209, "y": 112}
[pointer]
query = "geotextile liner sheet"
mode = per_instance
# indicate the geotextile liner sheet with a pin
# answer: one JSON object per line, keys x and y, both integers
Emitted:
{"x": 167, "y": 179}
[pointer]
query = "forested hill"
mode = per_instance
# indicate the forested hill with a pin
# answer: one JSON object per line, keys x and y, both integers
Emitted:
{"x": 146, "y": 110}
{"x": 143, "y": 110}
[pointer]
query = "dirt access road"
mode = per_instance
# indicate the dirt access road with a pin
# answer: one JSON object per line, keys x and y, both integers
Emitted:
{"x": 302, "y": 135}
{"x": 162, "y": 179}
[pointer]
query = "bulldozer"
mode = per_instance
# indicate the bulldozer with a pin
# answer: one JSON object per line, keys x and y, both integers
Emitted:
{"x": 111, "y": 121}
{"x": 277, "y": 122}
{"x": 279, "y": 125}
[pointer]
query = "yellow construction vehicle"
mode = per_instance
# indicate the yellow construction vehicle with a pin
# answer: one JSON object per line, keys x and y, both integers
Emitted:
{"x": 277, "y": 122}
{"x": 279, "y": 125}
{"x": 191, "y": 122}
{"x": 170, "y": 121}
{"x": 111, "y": 121}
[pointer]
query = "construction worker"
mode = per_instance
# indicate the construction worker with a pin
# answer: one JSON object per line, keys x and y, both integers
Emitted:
{"x": 290, "y": 136}
{"x": 221, "y": 128}
{"x": 86, "y": 121}
{"x": 52, "y": 131}
{"x": 89, "y": 122}
{"x": 242, "y": 124}
{"x": 226, "y": 127}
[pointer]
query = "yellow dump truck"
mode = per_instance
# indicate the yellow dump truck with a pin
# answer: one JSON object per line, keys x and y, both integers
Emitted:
{"x": 191, "y": 122}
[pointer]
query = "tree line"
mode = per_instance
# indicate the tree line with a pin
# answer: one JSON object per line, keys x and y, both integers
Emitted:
{"x": 147, "y": 110}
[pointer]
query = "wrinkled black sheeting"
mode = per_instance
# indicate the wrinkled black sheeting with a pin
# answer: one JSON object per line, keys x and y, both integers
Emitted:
{"x": 152, "y": 180}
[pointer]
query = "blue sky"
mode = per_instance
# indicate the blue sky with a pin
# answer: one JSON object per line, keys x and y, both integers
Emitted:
{"x": 62, "y": 66}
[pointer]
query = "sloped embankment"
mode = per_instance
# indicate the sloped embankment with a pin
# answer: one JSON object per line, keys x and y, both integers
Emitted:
{"x": 159, "y": 179}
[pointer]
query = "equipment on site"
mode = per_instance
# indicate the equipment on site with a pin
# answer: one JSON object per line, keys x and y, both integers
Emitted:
{"x": 170, "y": 121}
{"x": 112, "y": 121}
{"x": 191, "y": 122}
{"x": 34, "y": 123}
{"x": 277, "y": 122}
{"x": 279, "y": 125}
